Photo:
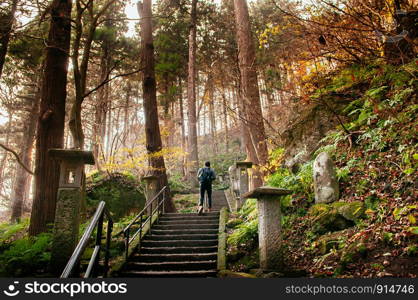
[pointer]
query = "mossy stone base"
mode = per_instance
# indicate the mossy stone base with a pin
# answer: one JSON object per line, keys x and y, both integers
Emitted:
{"x": 66, "y": 228}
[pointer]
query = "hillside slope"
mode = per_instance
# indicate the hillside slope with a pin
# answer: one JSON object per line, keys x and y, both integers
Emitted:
{"x": 372, "y": 230}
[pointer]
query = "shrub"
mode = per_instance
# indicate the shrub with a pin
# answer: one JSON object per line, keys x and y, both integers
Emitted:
{"x": 121, "y": 192}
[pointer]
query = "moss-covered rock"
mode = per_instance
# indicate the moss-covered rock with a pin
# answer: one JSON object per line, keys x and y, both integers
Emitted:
{"x": 336, "y": 216}
{"x": 328, "y": 242}
{"x": 353, "y": 211}
{"x": 328, "y": 219}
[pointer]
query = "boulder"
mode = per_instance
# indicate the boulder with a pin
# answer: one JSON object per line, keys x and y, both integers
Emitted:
{"x": 325, "y": 179}
{"x": 352, "y": 211}
{"x": 327, "y": 219}
{"x": 336, "y": 216}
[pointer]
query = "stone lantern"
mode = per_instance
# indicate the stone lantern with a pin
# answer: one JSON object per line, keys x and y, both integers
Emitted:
{"x": 269, "y": 226}
{"x": 69, "y": 196}
{"x": 243, "y": 180}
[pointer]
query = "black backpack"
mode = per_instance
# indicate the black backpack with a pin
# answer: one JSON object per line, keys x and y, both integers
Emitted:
{"x": 206, "y": 176}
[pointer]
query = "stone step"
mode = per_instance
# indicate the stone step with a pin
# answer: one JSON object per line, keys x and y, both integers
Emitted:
{"x": 200, "y": 218}
{"x": 159, "y": 237}
{"x": 174, "y": 257}
{"x": 176, "y": 250}
{"x": 170, "y": 274}
{"x": 172, "y": 265}
{"x": 212, "y": 213}
{"x": 185, "y": 226}
{"x": 183, "y": 231}
{"x": 179, "y": 243}
{"x": 188, "y": 222}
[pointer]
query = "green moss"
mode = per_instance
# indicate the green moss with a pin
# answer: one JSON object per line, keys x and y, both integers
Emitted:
{"x": 353, "y": 211}
{"x": 335, "y": 216}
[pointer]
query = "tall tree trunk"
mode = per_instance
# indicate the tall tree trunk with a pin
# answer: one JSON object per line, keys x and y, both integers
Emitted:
{"x": 152, "y": 127}
{"x": 50, "y": 129}
{"x": 245, "y": 132}
{"x": 225, "y": 120}
{"x": 81, "y": 68}
{"x": 22, "y": 180}
{"x": 249, "y": 86}
{"x": 126, "y": 118}
{"x": 183, "y": 129}
{"x": 212, "y": 120}
{"x": 193, "y": 158}
{"x": 6, "y": 25}
{"x": 99, "y": 130}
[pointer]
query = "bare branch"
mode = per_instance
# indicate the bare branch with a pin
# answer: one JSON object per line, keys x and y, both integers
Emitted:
{"x": 106, "y": 81}
{"x": 17, "y": 158}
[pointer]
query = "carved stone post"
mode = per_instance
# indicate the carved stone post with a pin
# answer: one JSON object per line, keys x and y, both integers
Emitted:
{"x": 67, "y": 214}
{"x": 151, "y": 185}
{"x": 242, "y": 171}
{"x": 269, "y": 226}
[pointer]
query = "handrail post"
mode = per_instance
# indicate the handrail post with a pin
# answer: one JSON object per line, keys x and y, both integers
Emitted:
{"x": 164, "y": 197}
{"x": 98, "y": 243}
{"x": 150, "y": 217}
{"x": 127, "y": 243}
{"x": 140, "y": 233}
{"x": 108, "y": 239}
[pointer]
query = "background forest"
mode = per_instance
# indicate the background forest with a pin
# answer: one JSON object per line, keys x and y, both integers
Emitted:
{"x": 309, "y": 76}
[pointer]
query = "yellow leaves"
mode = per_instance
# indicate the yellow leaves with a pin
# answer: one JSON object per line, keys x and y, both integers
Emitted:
{"x": 135, "y": 160}
{"x": 275, "y": 161}
{"x": 271, "y": 30}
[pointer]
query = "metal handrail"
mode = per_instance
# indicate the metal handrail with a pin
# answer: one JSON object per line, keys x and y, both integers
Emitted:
{"x": 127, "y": 229}
{"x": 96, "y": 221}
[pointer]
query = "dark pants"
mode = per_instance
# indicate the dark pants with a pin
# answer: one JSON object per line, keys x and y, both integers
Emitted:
{"x": 208, "y": 188}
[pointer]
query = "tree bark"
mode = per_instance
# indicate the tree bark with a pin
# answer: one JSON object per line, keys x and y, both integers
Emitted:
{"x": 99, "y": 130}
{"x": 193, "y": 158}
{"x": 212, "y": 116}
{"x": 50, "y": 128}
{"x": 22, "y": 180}
{"x": 6, "y": 25}
{"x": 249, "y": 86}
{"x": 183, "y": 129}
{"x": 152, "y": 127}
{"x": 225, "y": 120}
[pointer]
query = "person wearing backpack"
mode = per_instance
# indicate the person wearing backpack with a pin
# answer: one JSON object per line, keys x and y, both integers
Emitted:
{"x": 205, "y": 175}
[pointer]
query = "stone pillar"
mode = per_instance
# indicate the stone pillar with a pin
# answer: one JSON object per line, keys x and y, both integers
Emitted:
{"x": 151, "y": 186}
{"x": 69, "y": 196}
{"x": 269, "y": 226}
{"x": 243, "y": 179}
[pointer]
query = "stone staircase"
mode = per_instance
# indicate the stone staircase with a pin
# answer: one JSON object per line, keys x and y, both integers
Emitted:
{"x": 180, "y": 245}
